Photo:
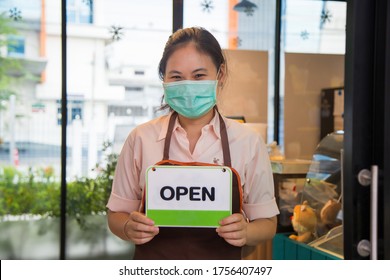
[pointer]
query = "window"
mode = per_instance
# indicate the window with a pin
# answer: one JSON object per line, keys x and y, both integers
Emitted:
{"x": 139, "y": 72}
{"x": 75, "y": 111}
{"x": 122, "y": 111}
{"x": 15, "y": 46}
{"x": 80, "y": 11}
{"x": 134, "y": 88}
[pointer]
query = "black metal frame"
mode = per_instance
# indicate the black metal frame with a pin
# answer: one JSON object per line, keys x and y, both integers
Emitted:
{"x": 177, "y": 14}
{"x": 386, "y": 136}
{"x": 63, "y": 132}
{"x": 367, "y": 131}
{"x": 278, "y": 27}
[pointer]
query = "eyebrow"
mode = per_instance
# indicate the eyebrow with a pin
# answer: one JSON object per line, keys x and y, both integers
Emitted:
{"x": 178, "y": 72}
{"x": 199, "y": 69}
{"x": 174, "y": 72}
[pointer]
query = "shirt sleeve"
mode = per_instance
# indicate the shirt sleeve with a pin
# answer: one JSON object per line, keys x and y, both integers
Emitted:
{"x": 126, "y": 194}
{"x": 259, "y": 198}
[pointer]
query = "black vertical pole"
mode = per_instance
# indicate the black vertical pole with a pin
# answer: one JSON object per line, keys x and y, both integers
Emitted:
{"x": 386, "y": 130}
{"x": 278, "y": 25}
{"x": 64, "y": 121}
{"x": 177, "y": 15}
{"x": 358, "y": 122}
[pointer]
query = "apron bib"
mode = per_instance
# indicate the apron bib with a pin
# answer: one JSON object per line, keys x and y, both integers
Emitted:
{"x": 180, "y": 243}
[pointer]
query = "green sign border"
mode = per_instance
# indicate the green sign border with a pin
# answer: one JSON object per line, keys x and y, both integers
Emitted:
{"x": 187, "y": 218}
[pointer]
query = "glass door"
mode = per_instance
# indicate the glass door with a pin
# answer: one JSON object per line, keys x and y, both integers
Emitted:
{"x": 113, "y": 49}
{"x": 30, "y": 137}
{"x": 367, "y": 131}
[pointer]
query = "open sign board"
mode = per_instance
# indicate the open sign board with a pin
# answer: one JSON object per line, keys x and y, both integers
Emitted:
{"x": 188, "y": 196}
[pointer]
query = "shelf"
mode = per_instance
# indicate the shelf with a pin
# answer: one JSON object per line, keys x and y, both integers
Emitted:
{"x": 284, "y": 248}
{"x": 290, "y": 166}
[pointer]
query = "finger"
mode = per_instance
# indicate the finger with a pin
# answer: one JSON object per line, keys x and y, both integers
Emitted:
{"x": 236, "y": 238}
{"x": 140, "y": 228}
{"x": 230, "y": 228}
{"x": 141, "y": 218}
{"x": 140, "y": 241}
{"x": 236, "y": 242}
{"x": 234, "y": 231}
{"x": 140, "y": 233}
{"x": 232, "y": 219}
{"x": 233, "y": 223}
{"x": 143, "y": 237}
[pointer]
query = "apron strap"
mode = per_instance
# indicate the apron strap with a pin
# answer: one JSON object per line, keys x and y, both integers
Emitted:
{"x": 168, "y": 137}
{"x": 224, "y": 139}
{"x": 225, "y": 142}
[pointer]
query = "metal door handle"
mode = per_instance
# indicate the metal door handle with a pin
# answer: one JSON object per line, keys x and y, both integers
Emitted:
{"x": 366, "y": 178}
{"x": 374, "y": 212}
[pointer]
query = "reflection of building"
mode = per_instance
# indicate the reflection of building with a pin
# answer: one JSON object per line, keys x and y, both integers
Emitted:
{"x": 255, "y": 28}
{"x": 104, "y": 89}
{"x": 256, "y": 31}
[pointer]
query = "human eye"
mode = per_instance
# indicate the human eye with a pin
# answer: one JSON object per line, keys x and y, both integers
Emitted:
{"x": 174, "y": 78}
{"x": 200, "y": 76}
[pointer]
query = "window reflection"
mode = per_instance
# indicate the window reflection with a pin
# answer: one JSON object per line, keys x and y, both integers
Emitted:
{"x": 79, "y": 11}
{"x": 314, "y": 26}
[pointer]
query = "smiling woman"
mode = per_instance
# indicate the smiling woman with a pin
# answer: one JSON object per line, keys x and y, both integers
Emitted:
{"x": 193, "y": 134}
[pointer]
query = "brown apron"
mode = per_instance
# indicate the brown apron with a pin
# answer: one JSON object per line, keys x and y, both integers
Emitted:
{"x": 179, "y": 243}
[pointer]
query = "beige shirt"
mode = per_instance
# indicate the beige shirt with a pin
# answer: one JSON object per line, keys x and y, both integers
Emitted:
{"x": 144, "y": 147}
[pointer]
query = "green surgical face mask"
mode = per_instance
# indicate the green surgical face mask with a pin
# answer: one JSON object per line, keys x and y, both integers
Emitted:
{"x": 191, "y": 99}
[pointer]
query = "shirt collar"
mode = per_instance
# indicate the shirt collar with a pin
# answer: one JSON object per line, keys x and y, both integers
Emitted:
{"x": 164, "y": 127}
{"x": 214, "y": 125}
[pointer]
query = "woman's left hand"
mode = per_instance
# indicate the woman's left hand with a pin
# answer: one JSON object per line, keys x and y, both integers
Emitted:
{"x": 234, "y": 230}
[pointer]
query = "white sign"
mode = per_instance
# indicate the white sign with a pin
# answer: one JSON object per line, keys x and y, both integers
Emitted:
{"x": 188, "y": 196}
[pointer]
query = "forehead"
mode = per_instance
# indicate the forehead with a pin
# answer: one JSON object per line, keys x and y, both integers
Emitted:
{"x": 189, "y": 57}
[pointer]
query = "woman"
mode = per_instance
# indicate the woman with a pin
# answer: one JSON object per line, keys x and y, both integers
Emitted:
{"x": 193, "y": 69}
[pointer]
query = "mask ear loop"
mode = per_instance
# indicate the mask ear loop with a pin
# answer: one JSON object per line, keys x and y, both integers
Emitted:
{"x": 219, "y": 69}
{"x": 220, "y": 83}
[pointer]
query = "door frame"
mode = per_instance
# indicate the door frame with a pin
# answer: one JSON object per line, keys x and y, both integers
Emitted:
{"x": 366, "y": 140}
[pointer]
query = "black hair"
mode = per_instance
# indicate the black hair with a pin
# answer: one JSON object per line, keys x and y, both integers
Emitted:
{"x": 203, "y": 40}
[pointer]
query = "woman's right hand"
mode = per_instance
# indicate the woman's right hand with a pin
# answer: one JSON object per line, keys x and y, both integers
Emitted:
{"x": 140, "y": 229}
